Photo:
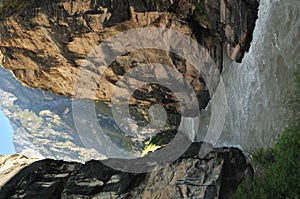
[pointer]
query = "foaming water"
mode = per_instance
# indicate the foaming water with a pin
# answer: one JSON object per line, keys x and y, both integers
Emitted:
{"x": 257, "y": 88}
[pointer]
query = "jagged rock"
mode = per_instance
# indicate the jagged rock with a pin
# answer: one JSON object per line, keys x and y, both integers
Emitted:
{"x": 11, "y": 165}
{"x": 44, "y": 43}
{"x": 214, "y": 176}
{"x": 43, "y": 123}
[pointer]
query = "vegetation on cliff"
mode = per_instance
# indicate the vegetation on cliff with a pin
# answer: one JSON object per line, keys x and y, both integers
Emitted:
{"x": 277, "y": 169}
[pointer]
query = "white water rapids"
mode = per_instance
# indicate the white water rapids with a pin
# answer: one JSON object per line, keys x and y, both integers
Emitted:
{"x": 257, "y": 88}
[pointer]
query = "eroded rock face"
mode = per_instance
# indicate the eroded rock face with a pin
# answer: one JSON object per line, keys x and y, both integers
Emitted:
{"x": 214, "y": 176}
{"x": 45, "y": 43}
{"x": 11, "y": 165}
{"x": 43, "y": 124}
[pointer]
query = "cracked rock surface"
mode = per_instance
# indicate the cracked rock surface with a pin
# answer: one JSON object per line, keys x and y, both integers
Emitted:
{"x": 214, "y": 176}
{"x": 45, "y": 43}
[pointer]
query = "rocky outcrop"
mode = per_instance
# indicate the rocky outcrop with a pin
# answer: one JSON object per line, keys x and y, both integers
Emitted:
{"x": 44, "y": 127}
{"x": 11, "y": 165}
{"x": 214, "y": 176}
{"x": 45, "y": 43}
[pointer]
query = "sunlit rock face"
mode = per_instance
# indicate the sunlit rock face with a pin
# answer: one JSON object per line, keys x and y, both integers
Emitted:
{"x": 46, "y": 43}
{"x": 42, "y": 122}
{"x": 44, "y": 127}
{"x": 11, "y": 165}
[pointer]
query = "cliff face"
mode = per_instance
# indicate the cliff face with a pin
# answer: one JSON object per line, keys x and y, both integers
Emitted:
{"x": 215, "y": 176}
{"x": 11, "y": 165}
{"x": 45, "y": 43}
{"x": 43, "y": 124}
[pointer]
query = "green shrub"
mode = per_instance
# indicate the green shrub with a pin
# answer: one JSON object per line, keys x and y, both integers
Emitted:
{"x": 251, "y": 188}
{"x": 262, "y": 157}
{"x": 280, "y": 165}
{"x": 281, "y": 168}
{"x": 283, "y": 176}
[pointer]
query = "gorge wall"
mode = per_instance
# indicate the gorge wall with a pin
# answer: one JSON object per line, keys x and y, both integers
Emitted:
{"x": 45, "y": 44}
{"x": 215, "y": 176}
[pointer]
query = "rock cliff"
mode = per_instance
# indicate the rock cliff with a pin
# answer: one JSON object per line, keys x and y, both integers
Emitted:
{"x": 44, "y": 127}
{"x": 215, "y": 176}
{"x": 45, "y": 43}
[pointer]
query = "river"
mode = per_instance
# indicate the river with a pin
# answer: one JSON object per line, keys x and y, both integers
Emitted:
{"x": 258, "y": 88}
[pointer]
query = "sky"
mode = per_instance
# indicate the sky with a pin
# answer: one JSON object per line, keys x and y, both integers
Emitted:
{"x": 6, "y": 136}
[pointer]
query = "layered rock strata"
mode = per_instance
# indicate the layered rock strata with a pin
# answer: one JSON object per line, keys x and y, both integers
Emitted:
{"x": 214, "y": 176}
{"x": 45, "y": 43}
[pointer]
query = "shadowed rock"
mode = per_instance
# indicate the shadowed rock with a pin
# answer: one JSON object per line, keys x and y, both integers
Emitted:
{"x": 214, "y": 176}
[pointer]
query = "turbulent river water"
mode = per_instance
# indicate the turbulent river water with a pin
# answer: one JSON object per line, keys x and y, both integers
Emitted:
{"x": 255, "y": 93}
{"x": 257, "y": 88}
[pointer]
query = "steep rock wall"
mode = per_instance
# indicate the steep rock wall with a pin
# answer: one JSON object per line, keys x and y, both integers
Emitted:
{"x": 215, "y": 176}
{"x": 45, "y": 43}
